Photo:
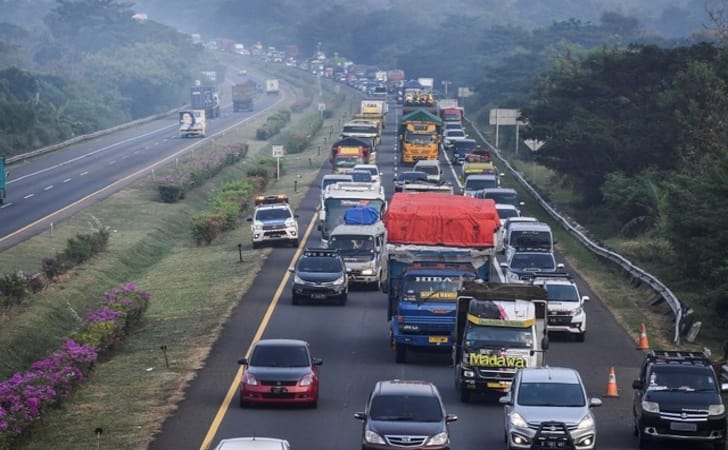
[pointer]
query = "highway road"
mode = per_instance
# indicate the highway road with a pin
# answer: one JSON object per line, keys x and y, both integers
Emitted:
{"x": 354, "y": 344}
{"x": 51, "y": 187}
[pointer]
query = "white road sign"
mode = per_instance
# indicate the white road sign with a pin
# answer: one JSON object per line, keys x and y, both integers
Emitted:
{"x": 533, "y": 144}
{"x": 278, "y": 151}
{"x": 504, "y": 117}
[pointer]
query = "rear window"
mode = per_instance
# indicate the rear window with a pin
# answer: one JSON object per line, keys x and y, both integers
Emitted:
{"x": 406, "y": 408}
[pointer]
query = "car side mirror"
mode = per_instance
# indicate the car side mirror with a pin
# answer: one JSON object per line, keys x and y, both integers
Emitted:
{"x": 451, "y": 418}
{"x": 505, "y": 400}
{"x": 292, "y": 269}
{"x": 317, "y": 361}
{"x": 296, "y": 216}
{"x": 559, "y": 266}
{"x": 637, "y": 384}
{"x": 585, "y": 298}
{"x": 243, "y": 361}
{"x": 504, "y": 265}
{"x": 724, "y": 387}
{"x": 595, "y": 402}
{"x": 249, "y": 219}
{"x": 360, "y": 415}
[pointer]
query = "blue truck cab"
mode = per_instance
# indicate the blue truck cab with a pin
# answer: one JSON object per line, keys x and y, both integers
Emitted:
{"x": 422, "y": 287}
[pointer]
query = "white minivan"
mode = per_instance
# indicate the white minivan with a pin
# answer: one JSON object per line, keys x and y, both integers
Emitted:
{"x": 431, "y": 167}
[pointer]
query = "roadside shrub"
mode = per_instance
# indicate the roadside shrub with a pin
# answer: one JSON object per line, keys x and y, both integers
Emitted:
{"x": 273, "y": 124}
{"x": 298, "y": 143}
{"x": 14, "y": 289}
{"x": 206, "y": 227}
{"x": 192, "y": 173}
{"x": 170, "y": 193}
{"x": 52, "y": 266}
{"x": 300, "y": 104}
{"x": 83, "y": 246}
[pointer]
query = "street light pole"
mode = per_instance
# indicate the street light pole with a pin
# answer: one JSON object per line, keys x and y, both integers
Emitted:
{"x": 445, "y": 83}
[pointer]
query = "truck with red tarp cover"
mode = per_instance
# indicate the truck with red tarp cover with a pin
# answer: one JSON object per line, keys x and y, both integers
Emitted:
{"x": 435, "y": 242}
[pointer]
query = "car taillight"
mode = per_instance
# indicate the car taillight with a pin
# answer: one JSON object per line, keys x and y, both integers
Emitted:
{"x": 249, "y": 379}
{"x": 306, "y": 380}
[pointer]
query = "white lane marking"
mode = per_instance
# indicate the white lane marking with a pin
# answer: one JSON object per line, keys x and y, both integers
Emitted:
{"x": 28, "y": 196}
{"x": 5, "y": 205}
{"x": 48, "y": 188}
{"x": 67, "y": 180}
{"x": 84, "y": 173}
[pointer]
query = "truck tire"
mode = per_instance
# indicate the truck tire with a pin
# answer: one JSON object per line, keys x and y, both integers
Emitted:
{"x": 400, "y": 353}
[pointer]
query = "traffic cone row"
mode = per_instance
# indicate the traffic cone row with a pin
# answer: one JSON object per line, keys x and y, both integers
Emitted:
{"x": 643, "y": 344}
{"x": 612, "y": 390}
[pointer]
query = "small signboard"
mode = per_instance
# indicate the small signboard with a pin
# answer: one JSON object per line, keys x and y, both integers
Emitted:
{"x": 504, "y": 117}
{"x": 533, "y": 144}
{"x": 322, "y": 107}
{"x": 278, "y": 151}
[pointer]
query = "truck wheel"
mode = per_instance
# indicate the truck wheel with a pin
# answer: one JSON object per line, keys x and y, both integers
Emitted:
{"x": 400, "y": 353}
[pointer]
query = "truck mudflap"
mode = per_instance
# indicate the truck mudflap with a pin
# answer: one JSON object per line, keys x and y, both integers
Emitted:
{"x": 552, "y": 435}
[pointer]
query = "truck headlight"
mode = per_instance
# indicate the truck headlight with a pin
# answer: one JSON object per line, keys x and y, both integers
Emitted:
{"x": 373, "y": 438}
{"x": 716, "y": 410}
{"x": 468, "y": 373}
{"x": 367, "y": 272}
{"x": 518, "y": 421}
{"x": 438, "y": 439}
{"x": 587, "y": 423}
{"x": 651, "y": 407}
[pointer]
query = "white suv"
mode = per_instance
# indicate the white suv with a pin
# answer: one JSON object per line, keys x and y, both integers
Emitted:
{"x": 565, "y": 306}
{"x": 273, "y": 220}
{"x": 547, "y": 407}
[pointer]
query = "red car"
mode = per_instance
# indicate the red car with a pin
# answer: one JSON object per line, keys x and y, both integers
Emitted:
{"x": 280, "y": 371}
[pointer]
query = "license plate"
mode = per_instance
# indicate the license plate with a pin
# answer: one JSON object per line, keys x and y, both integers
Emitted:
{"x": 318, "y": 296}
{"x": 683, "y": 426}
{"x": 278, "y": 390}
{"x": 498, "y": 384}
{"x": 437, "y": 339}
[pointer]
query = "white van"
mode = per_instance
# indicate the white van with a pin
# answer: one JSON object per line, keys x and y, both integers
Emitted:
{"x": 431, "y": 167}
{"x": 253, "y": 443}
{"x": 528, "y": 236}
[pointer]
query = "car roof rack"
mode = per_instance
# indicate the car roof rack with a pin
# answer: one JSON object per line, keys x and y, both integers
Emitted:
{"x": 679, "y": 357}
{"x": 553, "y": 275}
{"x": 270, "y": 199}
{"x": 320, "y": 252}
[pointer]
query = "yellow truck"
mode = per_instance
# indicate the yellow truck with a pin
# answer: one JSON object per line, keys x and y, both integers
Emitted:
{"x": 419, "y": 136}
{"x": 374, "y": 110}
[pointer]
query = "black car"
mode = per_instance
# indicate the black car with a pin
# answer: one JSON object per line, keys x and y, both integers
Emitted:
{"x": 678, "y": 397}
{"x": 462, "y": 148}
{"x": 320, "y": 274}
{"x": 409, "y": 414}
{"x": 408, "y": 176}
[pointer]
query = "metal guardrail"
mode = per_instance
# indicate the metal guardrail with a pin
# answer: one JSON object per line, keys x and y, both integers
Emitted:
{"x": 681, "y": 312}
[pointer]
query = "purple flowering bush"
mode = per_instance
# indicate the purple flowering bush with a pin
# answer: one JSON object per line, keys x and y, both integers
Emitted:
{"x": 193, "y": 173}
{"x": 24, "y": 397}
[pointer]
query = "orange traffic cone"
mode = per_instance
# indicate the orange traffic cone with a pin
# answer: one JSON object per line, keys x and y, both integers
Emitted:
{"x": 612, "y": 390}
{"x": 643, "y": 345}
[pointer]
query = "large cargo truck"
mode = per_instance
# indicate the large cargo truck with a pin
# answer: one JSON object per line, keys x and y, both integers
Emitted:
{"x": 348, "y": 152}
{"x": 207, "y": 98}
{"x": 419, "y": 136}
{"x": 192, "y": 123}
{"x": 272, "y": 87}
{"x": 500, "y": 328}
{"x": 243, "y": 95}
{"x": 2, "y": 179}
{"x": 339, "y": 197}
{"x": 436, "y": 241}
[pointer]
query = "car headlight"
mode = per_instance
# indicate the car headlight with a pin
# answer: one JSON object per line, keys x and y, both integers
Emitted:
{"x": 438, "y": 439}
{"x": 298, "y": 280}
{"x": 249, "y": 379}
{"x": 290, "y": 222}
{"x": 339, "y": 280}
{"x": 716, "y": 410}
{"x": 587, "y": 423}
{"x": 367, "y": 272}
{"x": 518, "y": 421}
{"x": 306, "y": 380}
{"x": 373, "y": 438}
{"x": 577, "y": 311}
{"x": 257, "y": 225}
{"x": 651, "y": 407}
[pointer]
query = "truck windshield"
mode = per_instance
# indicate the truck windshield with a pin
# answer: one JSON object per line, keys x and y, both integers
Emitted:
{"x": 359, "y": 129}
{"x": 420, "y": 138}
{"x": 336, "y": 209}
{"x": 530, "y": 239}
{"x": 432, "y": 288}
{"x": 498, "y": 337}
{"x": 480, "y": 183}
{"x": 273, "y": 214}
{"x": 352, "y": 245}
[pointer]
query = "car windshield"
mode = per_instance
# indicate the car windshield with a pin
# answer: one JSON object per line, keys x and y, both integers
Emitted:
{"x": 503, "y": 197}
{"x": 321, "y": 264}
{"x": 280, "y": 356}
{"x": 273, "y": 214}
{"x": 481, "y": 183}
{"x": 505, "y": 213}
{"x": 327, "y": 181}
{"x": 410, "y": 176}
{"x": 672, "y": 379}
{"x": 465, "y": 145}
{"x": 562, "y": 293}
{"x": 530, "y": 239}
{"x": 352, "y": 245}
{"x": 498, "y": 337}
{"x": 405, "y": 408}
{"x": 532, "y": 261}
{"x": 344, "y": 161}
{"x": 372, "y": 170}
{"x": 361, "y": 176}
{"x": 551, "y": 394}
{"x": 455, "y": 133}
{"x": 432, "y": 170}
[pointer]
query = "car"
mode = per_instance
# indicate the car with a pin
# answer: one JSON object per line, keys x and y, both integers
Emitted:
{"x": 452, "y": 135}
{"x": 361, "y": 176}
{"x": 528, "y": 236}
{"x": 677, "y": 397}
{"x": 565, "y": 308}
{"x": 477, "y": 182}
{"x": 405, "y": 414}
{"x": 548, "y": 407}
{"x": 371, "y": 168}
{"x": 506, "y": 211}
{"x": 452, "y": 126}
{"x": 408, "y": 176}
{"x": 320, "y": 274}
{"x": 430, "y": 167}
{"x": 273, "y": 221}
{"x": 522, "y": 266}
{"x": 253, "y": 443}
{"x": 280, "y": 371}
{"x": 462, "y": 148}
{"x": 503, "y": 230}
{"x": 500, "y": 195}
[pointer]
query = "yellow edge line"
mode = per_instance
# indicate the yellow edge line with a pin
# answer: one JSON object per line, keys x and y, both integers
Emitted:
{"x": 234, "y": 386}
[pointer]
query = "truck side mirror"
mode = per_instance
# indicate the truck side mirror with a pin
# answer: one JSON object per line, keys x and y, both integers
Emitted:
{"x": 545, "y": 343}
{"x": 637, "y": 384}
{"x": 584, "y": 298}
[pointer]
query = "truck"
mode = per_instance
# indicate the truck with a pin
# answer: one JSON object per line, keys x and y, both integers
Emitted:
{"x": 348, "y": 152}
{"x": 2, "y": 179}
{"x": 452, "y": 114}
{"x": 272, "y": 87}
{"x": 361, "y": 241}
{"x": 339, "y": 197}
{"x": 375, "y": 110}
{"x": 192, "y": 123}
{"x": 243, "y": 94}
{"x": 419, "y": 136}
{"x": 395, "y": 79}
{"x": 207, "y": 98}
{"x": 478, "y": 161}
{"x": 364, "y": 129}
{"x": 436, "y": 241}
{"x": 500, "y": 328}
